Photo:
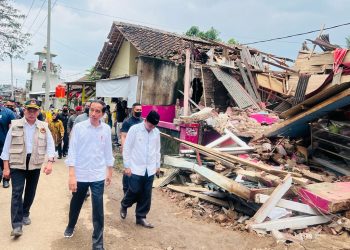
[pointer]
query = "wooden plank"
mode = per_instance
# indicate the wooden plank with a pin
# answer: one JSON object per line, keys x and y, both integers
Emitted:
{"x": 187, "y": 82}
{"x": 297, "y": 222}
{"x": 230, "y": 160}
{"x": 271, "y": 84}
{"x": 267, "y": 179}
{"x": 292, "y": 205}
{"x": 276, "y": 195}
{"x": 252, "y": 80}
{"x": 247, "y": 83}
{"x": 204, "y": 197}
{"x": 214, "y": 177}
{"x": 284, "y": 128}
{"x": 312, "y": 101}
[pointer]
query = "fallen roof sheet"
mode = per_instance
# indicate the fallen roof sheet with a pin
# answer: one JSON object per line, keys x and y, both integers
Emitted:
{"x": 235, "y": 89}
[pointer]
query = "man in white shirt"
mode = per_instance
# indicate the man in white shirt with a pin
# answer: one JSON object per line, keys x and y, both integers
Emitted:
{"x": 90, "y": 161}
{"x": 27, "y": 143}
{"x": 141, "y": 156}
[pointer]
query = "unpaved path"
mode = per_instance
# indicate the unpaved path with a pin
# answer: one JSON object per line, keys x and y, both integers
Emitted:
{"x": 174, "y": 229}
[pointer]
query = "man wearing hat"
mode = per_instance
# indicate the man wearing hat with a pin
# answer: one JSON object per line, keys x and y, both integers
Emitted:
{"x": 27, "y": 143}
{"x": 141, "y": 156}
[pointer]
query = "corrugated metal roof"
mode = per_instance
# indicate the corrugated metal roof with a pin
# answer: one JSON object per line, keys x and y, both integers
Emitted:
{"x": 235, "y": 89}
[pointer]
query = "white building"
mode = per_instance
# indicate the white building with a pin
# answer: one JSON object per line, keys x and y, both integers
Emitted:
{"x": 36, "y": 85}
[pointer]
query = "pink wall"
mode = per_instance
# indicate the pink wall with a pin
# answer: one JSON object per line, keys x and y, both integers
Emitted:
{"x": 166, "y": 113}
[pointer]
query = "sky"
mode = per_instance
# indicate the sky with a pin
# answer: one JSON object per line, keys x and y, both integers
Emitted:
{"x": 80, "y": 27}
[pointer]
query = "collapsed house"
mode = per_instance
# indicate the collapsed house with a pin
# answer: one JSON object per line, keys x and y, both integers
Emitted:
{"x": 245, "y": 122}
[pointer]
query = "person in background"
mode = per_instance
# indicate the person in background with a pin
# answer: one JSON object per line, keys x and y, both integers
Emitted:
{"x": 27, "y": 144}
{"x": 127, "y": 124}
{"x": 64, "y": 116}
{"x": 84, "y": 116}
{"x": 6, "y": 116}
{"x": 90, "y": 151}
{"x": 109, "y": 115}
{"x": 141, "y": 157}
{"x": 71, "y": 112}
{"x": 77, "y": 112}
{"x": 11, "y": 105}
{"x": 57, "y": 131}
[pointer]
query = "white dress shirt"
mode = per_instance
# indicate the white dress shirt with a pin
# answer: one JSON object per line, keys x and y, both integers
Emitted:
{"x": 90, "y": 151}
{"x": 29, "y": 131}
{"x": 141, "y": 150}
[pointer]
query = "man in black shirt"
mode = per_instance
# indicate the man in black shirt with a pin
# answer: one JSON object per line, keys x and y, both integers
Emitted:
{"x": 64, "y": 116}
{"x": 127, "y": 124}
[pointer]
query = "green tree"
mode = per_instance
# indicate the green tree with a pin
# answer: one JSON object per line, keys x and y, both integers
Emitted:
{"x": 347, "y": 39}
{"x": 232, "y": 41}
{"x": 193, "y": 31}
{"x": 211, "y": 34}
{"x": 93, "y": 74}
{"x": 13, "y": 41}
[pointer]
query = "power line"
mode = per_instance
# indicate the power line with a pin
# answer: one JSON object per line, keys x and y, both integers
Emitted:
{"x": 37, "y": 30}
{"x": 41, "y": 7}
{"x": 26, "y": 17}
{"x": 299, "y": 34}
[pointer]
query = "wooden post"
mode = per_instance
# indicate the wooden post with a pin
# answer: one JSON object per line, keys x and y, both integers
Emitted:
{"x": 187, "y": 83}
{"x": 314, "y": 47}
{"x": 204, "y": 95}
{"x": 83, "y": 94}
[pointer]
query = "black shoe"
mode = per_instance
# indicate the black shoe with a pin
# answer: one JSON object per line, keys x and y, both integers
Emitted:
{"x": 16, "y": 232}
{"x": 6, "y": 183}
{"x": 64, "y": 155}
{"x": 123, "y": 212}
{"x": 144, "y": 223}
{"x": 59, "y": 157}
{"x": 26, "y": 221}
{"x": 68, "y": 233}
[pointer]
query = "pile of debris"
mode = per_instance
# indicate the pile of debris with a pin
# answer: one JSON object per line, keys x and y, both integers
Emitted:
{"x": 244, "y": 193}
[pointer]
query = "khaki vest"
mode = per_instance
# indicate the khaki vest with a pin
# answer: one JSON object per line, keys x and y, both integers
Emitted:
{"x": 18, "y": 154}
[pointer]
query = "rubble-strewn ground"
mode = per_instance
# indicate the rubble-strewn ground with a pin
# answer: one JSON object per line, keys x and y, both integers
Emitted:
{"x": 176, "y": 226}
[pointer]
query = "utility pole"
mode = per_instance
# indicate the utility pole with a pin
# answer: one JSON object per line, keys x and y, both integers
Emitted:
{"x": 12, "y": 90}
{"x": 48, "y": 59}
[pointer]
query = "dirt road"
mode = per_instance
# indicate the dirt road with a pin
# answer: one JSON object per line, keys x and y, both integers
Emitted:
{"x": 174, "y": 229}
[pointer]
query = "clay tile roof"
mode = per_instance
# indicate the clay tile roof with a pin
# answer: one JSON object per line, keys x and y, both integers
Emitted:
{"x": 148, "y": 42}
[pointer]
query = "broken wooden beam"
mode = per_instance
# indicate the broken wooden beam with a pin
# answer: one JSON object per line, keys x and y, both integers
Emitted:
{"x": 274, "y": 198}
{"x": 297, "y": 222}
{"x": 225, "y": 183}
{"x": 291, "y": 205}
{"x": 280, "y": 66}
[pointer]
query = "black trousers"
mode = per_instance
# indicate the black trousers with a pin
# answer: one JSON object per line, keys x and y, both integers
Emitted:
{"x": 65, "y": 143}
{"x": 59, "y": 149}
{"x": 27, "y": 181}
{"x": 139, "y": 192}
{"x": 125, "y": 182}
{"x": 97, "y": 189}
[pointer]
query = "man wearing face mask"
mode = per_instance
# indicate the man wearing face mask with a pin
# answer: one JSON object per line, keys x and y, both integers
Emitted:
{"x": 127, "y": 124}
{"x": 64, "y": 116}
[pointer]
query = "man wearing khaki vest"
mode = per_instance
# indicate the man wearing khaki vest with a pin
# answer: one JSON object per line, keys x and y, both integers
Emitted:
{"x": 27, "y": 143}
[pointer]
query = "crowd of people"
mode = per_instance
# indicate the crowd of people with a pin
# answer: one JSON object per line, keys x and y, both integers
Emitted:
{"x": 30, "y": 139}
